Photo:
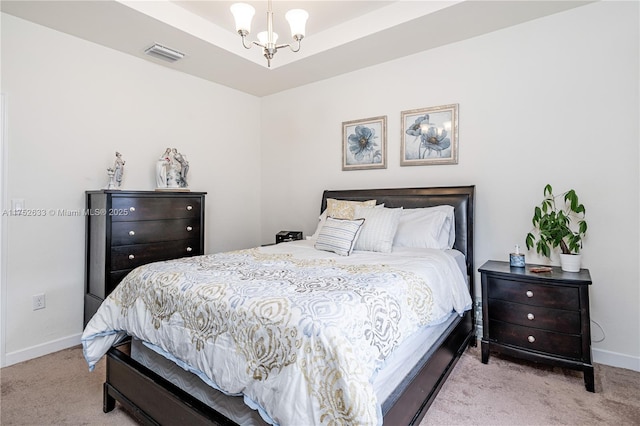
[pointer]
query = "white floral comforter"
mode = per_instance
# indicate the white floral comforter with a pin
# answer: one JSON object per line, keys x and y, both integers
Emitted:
{"x": 299, "y": 332}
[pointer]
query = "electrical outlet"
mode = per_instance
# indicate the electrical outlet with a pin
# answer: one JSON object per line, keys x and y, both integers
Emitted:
{"x": 38, "y": 301}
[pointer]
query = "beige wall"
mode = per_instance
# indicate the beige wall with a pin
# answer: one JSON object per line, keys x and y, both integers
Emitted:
{"x": 553, "y": 101}
{"x": 71, "y": 104}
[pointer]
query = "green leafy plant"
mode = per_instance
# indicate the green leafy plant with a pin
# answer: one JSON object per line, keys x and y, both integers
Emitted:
{"x": 552, "y": 222}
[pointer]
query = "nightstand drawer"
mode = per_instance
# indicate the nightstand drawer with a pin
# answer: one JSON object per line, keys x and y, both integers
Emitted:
{"x": 529, "y": 293}
{"x": 535, "y": 316}
{"x": 558, "y": 344}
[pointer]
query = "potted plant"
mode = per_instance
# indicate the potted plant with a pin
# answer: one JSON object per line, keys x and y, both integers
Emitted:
{"x": 555, "y": 225}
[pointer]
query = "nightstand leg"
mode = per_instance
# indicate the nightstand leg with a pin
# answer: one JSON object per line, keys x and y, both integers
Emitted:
{"x": 588, "y": 379}
{"x": 485, "y": 352}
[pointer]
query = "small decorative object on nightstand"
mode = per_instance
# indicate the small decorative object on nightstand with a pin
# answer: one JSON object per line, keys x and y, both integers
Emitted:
{"x": 540, "y": 317}
{"x": 284, "y": 236}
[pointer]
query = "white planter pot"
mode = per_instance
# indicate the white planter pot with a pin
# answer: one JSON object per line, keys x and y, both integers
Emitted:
{"x": 570, "y": 262}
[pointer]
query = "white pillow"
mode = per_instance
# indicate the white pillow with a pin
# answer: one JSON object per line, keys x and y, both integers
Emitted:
{"x": 321, "y": 220}
{"x": 339, "y": 235}
{"x": 379, "y": 228}
{"x": 429, "y": 227}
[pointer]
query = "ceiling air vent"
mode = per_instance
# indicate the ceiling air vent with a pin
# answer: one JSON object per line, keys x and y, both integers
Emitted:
{"x": 165, "y": 53}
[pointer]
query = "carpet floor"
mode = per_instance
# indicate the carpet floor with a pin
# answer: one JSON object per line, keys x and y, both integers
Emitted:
{"x": 58, "y": 389}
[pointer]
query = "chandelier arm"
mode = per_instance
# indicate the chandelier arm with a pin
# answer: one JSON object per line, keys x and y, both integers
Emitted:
{"x": 298, "y": 48}
{"x": 244, "y": 38}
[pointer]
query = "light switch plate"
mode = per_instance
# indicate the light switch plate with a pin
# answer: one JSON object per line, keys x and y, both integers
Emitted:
{"x": 17, "y": 204}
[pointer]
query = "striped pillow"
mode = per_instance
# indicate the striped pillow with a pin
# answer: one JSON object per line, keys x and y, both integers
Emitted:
{"x": 339, "y": 235}
{"x": 379, "y": 228}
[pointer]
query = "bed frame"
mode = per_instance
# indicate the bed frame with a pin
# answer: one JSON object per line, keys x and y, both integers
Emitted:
{"x": 154, "y": 400}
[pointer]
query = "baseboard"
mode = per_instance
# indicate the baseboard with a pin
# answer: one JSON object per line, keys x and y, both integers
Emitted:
{"x": 41, "y": 350}
{"x": 615, "y": 359}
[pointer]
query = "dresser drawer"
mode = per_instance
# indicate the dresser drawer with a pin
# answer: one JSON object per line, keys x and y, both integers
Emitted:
{"x": 154, "y": 208}
{"x": 151, "y": 231}
{"x": 129, "y": 257}
{"x": 530, "y": 293}
{"x": 558, "y": 344}
{"x": 535, "y": 316}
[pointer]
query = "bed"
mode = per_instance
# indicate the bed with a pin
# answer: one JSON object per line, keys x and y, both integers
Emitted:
{"x": 398, "y": 352}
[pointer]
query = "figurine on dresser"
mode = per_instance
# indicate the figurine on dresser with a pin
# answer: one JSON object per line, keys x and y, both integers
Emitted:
{"x": 116, "y": 173}
{"x": 171, "y": 170}
{"x": 119, "y": 169}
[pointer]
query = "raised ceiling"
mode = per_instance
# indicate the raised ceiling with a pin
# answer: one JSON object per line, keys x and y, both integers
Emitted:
{"x": 342, "y": 36}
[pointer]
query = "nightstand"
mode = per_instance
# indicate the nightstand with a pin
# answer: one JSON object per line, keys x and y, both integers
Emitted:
{"x": 540, "y": 317}
{"x": 284, "y": 236}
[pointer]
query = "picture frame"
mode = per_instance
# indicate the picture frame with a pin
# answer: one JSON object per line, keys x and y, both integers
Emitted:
{"x": 364, "y": 144}
{"x": 429, "y": 136}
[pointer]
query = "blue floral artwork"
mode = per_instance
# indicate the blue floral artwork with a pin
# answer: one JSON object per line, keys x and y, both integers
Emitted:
{"x": 364, "y": 144}
{"x": 430, "y": 136}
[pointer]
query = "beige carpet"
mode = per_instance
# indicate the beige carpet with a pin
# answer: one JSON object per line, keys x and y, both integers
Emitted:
{"x": 57, "y": 389}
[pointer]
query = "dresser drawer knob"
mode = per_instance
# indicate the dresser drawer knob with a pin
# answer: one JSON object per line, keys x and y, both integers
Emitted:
{"x": 189, "y": 207}
{"x": 529, "y": 293}
{"x": 531, "y": 339}
{"x": 131, "y": 257}
{"x": 530, "y": 317}
{"x": 132, "y": 233}
{"x": 189, "y": 228}
{"x": 189, "y": 249}
{"x": 132, "y": 209}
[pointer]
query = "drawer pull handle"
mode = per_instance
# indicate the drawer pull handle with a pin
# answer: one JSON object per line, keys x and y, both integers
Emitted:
{"x": 530, "y": 317}
{"x": 189, "y": 228}
{"x": 132, "y": 233}
{"x": 531, "y": 339}
{"x": 132, "y": 209}
{"x": 529, "y": 293}
{"x": 189, "y": 207}
{"x": 189, "y": 249}
{"x": 131, "y": 257}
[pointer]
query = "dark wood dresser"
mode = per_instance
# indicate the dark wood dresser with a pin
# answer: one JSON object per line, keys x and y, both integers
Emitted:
{"x": 540, "y": 317}
{"x": 126, "y": 229}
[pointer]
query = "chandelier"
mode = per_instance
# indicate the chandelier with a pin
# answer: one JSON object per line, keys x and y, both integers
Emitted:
{"x": 243, "y": 14}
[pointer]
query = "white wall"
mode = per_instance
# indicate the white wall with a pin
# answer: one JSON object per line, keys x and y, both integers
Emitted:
{"x": 71, "y": 104}
{"x": 551, "y": 101}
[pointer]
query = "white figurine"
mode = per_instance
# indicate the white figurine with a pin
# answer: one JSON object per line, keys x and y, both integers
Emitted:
{"x": 162, "y": 166}
{"x": 112, "y": 183}
{"x": 118, "y": 169}
{"x": 171, "y": 170}
{"x": 184, "y": 167}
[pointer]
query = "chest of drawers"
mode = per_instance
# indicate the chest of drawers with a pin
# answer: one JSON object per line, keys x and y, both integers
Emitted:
{"x": 540, "y": 317}
{"x": 126, "y": 229}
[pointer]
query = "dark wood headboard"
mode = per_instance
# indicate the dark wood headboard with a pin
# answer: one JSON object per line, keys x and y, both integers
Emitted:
{"x": 460, "y": 197}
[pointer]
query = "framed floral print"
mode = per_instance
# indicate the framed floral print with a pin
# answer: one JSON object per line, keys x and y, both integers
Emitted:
{"x": 429, "y": 136}
{"x": 364, "y": 144}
